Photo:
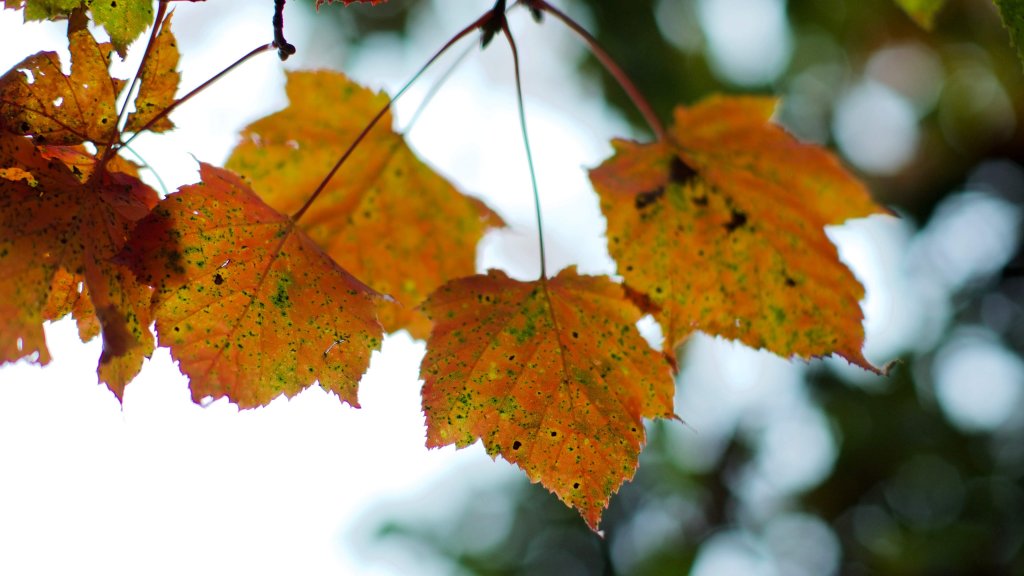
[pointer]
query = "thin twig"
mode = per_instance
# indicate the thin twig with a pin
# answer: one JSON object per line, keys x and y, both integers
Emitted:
{"x": 284, "y": 49}
{"x": 158, "y": 24}
{"x": 163, "y": 113}
{"x": 436, "y": 87}
{"x": 526, "y": 142}
{"x": 486, "y": 18}
{"x": 609, "y": 64}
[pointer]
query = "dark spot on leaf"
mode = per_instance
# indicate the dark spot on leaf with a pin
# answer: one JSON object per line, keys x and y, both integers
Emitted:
{"x": 516, "y": 445}
{"x": 218, "y": 279}
{"x": 680, "y": 172}
{"x": 738, "y": 220}
{"x": 576, "y": 485}
{"x": 575, "y": 334}
{"x": 645, "y": 199}
{"x": 554, "y": 433}
{"x": 790, "y": 282}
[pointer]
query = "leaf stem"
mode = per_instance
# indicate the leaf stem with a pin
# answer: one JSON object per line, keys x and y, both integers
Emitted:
{"x": 480, "y": 22}
{"x": 526, "y": 142}
{"x": 609, "y": 64}
{"x": 145, "y": 164}
{"x": 436, "y": 87}
{"x": 163, "y": 113}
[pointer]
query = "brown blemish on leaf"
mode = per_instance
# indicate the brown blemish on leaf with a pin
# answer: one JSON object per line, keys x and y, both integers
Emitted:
{"x": 698, "y": 262}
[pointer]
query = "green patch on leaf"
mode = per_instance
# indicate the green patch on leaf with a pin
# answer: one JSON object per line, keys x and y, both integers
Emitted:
{"x": 49, "y": 9}
{"x": 124, "y": 20}
{"x": 1012, "y": 12}
{"x": 922, "y": 11}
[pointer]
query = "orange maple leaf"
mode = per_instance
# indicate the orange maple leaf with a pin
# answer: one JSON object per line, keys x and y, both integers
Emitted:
{"x": 386, "y": 216}
{"x": 61, "y": 224}
{"x": 38, "y": 99}
{"x": 552, "y": 375}
{"x": 69, "y": 294}
{"x": 250, "y": 307}
{"x": 722, "y": 229}
{"x": 158, "y": 82}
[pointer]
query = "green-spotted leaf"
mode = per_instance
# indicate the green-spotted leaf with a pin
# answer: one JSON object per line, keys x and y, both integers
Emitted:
{"x": 37, "y": 99}
{"x": 387, "y": 217}
{"x": 250, "y": 307}
{"x": 158, "y": 83}
{"x": 721, "y": 229}
{"x": 61, "y": 223}
{"x": 552, "y": 375}
{"x": 124, "y": 20}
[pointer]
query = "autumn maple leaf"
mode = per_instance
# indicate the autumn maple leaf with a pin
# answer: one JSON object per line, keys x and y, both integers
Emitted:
{"x": 39, "y": 100}
{"x": 552, "y": 375}
{"x": 721, "y": 229}
{"x": 386, "y": 216}
{"x": 66, "y": 211}
{"x": 248, "y": 305}
{"x": 61, "y": 223}
{"x": 159, "y": 79}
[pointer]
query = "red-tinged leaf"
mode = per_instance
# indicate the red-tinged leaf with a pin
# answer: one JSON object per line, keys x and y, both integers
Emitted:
{"x": 320, "y": 3}
{"x": 250, "y": 307}
{"x": 38, "y": 100}
{"x": 158, "y": 83}
{"x": 722, "y": 228}
{"x": 386, "y": 216}
{"x": 61, "y": 224}
{"x": 552, "y": 375}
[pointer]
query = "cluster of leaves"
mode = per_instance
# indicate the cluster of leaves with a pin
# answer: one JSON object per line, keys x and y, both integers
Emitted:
{"x": 266, "y": 278}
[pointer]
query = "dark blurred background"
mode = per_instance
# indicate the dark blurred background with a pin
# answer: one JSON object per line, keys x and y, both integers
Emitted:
{"x": 787, "y": 468}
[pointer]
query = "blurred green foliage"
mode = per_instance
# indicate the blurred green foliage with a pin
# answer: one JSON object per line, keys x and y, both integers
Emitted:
{"x": 910, "y": 491}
